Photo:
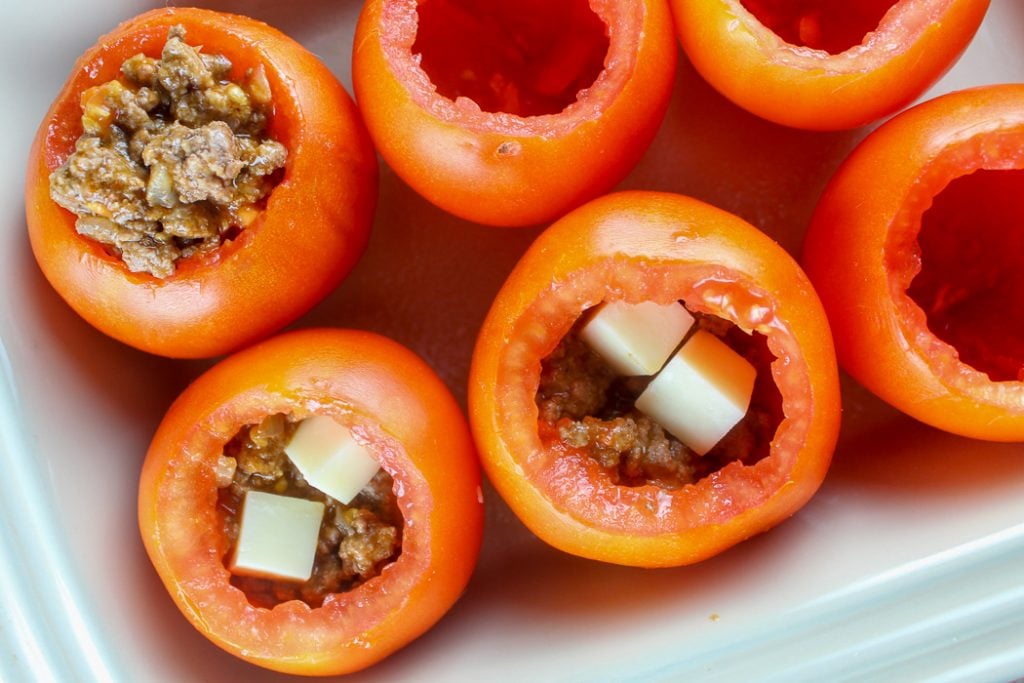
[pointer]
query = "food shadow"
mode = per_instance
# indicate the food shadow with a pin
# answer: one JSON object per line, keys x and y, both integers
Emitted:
{"x": 883, "y": 451}
{"x": 710, "y": 149}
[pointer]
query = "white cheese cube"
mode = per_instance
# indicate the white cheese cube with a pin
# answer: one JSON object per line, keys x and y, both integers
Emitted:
{"x": 278, "y": 536}
{"x": 330, "y": 459}
{"x": 637, "y": 339}
{"x": 702, "y": 393}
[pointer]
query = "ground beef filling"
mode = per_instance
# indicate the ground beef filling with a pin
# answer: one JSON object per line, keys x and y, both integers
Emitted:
{"x": 172, "y": 160}
{"x": 582, "y": 403}
{"x": 356, "y": 540}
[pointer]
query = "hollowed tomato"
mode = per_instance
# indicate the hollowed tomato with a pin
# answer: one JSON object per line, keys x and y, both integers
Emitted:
{"x": 825, "y": 64}
{"x": 917, "y": 253}
{"x": 402, "y": 413}
{"x": 509, "y": 112}
{"x": 311, "y": 232}
{"x": 644, "y": 246}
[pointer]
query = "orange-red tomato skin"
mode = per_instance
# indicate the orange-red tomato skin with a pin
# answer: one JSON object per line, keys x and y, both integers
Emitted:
{"x": 398, "y": 407}
{"x": 659, "y": 247}
{"x": 312, "y": 232}
{"x": 860, "y": 252}
{"x": 502, "y": 169}
{"x": 796, "y": 86}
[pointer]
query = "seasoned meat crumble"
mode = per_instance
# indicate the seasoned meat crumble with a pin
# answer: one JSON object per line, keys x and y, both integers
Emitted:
{"x": 582, "y": 403}
{"x": 173, "y": 158}
{"x": 356, "y": 540}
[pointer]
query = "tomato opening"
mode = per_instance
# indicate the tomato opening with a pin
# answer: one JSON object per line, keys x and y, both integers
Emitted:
{"x": 971, "y": 282}
{"x": 522, "y": 57}
{"x": 830, "y": 25}
{"x": 584, "y": 409}
{"x": 173, "y": 154}
{"x": 356, "y": 540}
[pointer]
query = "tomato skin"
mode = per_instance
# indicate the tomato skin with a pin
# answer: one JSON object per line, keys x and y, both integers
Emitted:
{"x": 861, "y": 253}
{"x": 745, "y": 61}
{"x": 503, "y": 169}
{"x": 402, "y": 412}
{"x": 312, "y": 232}
{"x": 660, "y": 247}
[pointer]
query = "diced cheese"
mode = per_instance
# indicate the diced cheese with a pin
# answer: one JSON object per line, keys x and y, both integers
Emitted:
{"x": 278, "y": 536}
{"x": 701, "y": 393}
{"x": 330, "y": 459}
{"x": 637, "y": 339}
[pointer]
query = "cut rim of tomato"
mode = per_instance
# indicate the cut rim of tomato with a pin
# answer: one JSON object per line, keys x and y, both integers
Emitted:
{"x": 833, "y": 26}
{"x": 576, "y": 484}
{"x": 602, "y": 73}
{"x": 902, "y": 24}
{"x": 955, "y": 256}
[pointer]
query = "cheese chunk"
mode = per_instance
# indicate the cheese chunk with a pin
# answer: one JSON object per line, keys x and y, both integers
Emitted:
{"x": 637, "y": 339}
{"x": 330, "y": 459}
{"x": 701, "y": 393}
{"x": 278, "y": 536}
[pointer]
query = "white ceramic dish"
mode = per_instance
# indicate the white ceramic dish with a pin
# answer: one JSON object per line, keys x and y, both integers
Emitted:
{"x": 908, "y": 565}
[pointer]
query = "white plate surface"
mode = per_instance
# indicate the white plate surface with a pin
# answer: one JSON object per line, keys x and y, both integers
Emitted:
{"x": 908, "y": 565}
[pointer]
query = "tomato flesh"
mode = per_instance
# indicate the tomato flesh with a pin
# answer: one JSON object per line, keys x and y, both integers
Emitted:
{"x": 971, "y": 282}
{"x": 526, "y": 58}
{"x": 830, "y": 25}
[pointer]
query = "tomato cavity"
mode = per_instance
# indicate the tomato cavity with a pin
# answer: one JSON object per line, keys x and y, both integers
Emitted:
{"x": 584, "y": 410}
{"x": 521, "y": 57}
{"x": 356, "y": 540}
{"x": 971, "y": 281}
{"x": 830, "y": 25}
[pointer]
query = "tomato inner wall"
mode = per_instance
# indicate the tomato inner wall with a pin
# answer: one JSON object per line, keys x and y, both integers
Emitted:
{"x": 830, "y": 25}
{"x": 522, "y": 57}
{"x": 971, "y": 283}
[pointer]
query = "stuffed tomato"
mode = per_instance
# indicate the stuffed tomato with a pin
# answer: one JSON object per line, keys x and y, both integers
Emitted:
{"x": 201, "y": 181}
{"x": 587, "y": 446}
{"x": 359, "y": 447}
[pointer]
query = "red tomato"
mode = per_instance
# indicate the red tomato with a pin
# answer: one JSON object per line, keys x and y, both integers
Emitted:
{"x": 825, "y": 64}
{"x": 312, "y": 231}
{"x": 644, "y": 246}
{"x": 396, "y": 406}
{"x": 510, "y": 112}
{"x": 915, "y": 249}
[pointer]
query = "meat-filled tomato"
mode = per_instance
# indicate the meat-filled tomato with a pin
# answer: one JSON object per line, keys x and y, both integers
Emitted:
{"x": 825, "y": 64}
{"x": 201, "y": 181}
{"x": 561, "y": 435}
{"x": 508, "y": 112}
{"x": 388, "y": 563}
{"x": 917, "y": 251}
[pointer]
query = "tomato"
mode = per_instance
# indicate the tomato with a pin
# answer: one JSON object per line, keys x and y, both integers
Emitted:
{"x": 825, "y": 64}
{"x": 510, "y": 112}
{"x": 314, "y": 227}
{"x": 916, "y": 250}
{"x": 645, "y": 246}
{"x": 398, "y": 408}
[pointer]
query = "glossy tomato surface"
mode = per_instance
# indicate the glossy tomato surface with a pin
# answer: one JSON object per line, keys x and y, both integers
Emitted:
{"x": 510, "y": 112}
{"x": 825, "y": 64}
{"x": 645, "y": 246}
{"x": 312, "y": 231}
{"x": 396, "y": 407}
{"x": 917, "y": 252}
